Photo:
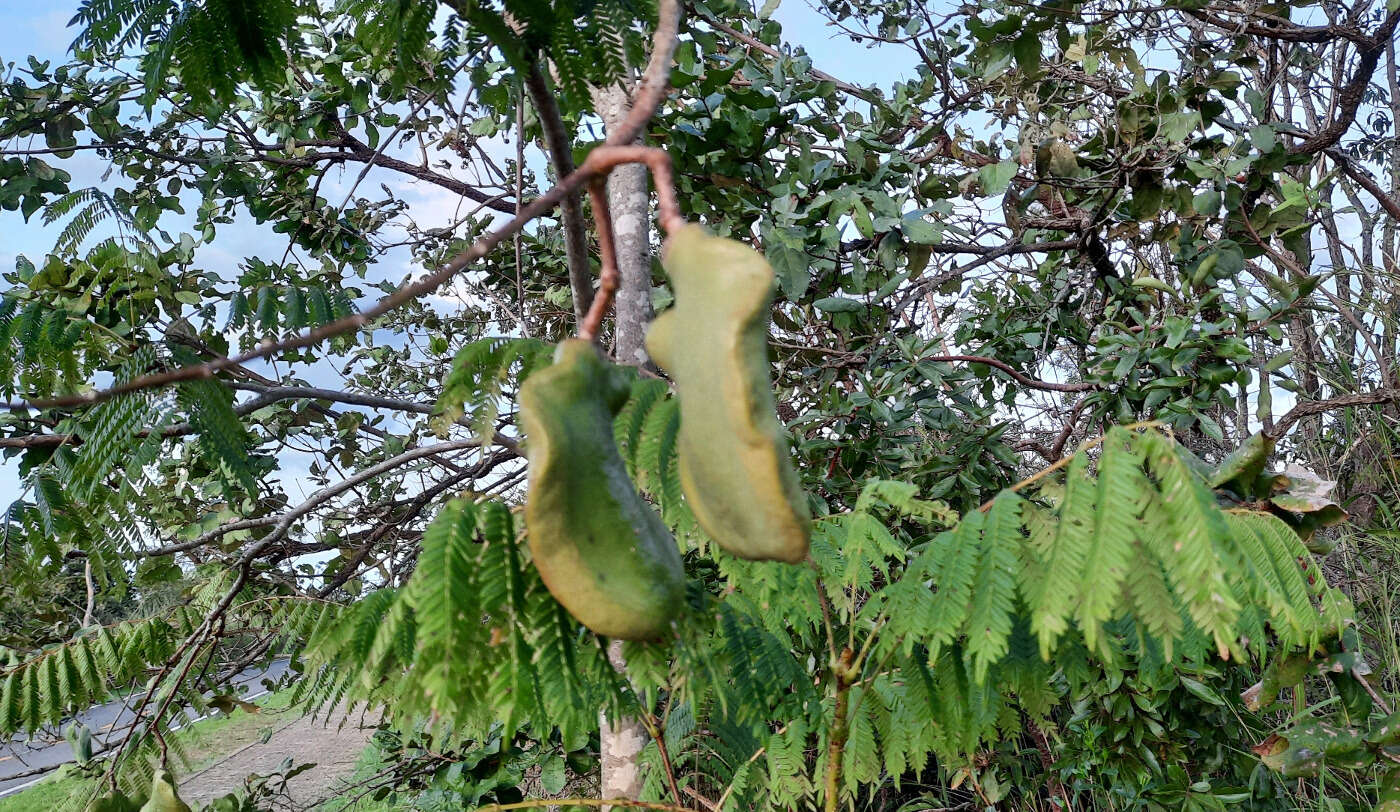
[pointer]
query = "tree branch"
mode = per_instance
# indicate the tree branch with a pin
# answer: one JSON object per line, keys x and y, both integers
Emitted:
{"x": 267, "y": 396}
{"x": 351, "y": 150}
{"x": 599, "y": 161}
{"x": 561, "y": 155}
{"x": 655, "y": 83}
{"x": 649, "y": 97}
{"x": 360, "y": 152}
{"x": 1364, "y": 180}
{"x": 1349, "y": 98}
{"x": 1021, "y": 378}
{"x": 283, "y": 522}
{"x": 1310, "y": 408}
{"x": 1279, "y": 28}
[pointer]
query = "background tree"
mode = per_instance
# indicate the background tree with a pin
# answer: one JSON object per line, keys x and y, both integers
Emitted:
{"x": 1074, "y": 216}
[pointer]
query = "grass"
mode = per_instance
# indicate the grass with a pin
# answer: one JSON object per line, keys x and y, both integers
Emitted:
{"x": 205, "y": 742}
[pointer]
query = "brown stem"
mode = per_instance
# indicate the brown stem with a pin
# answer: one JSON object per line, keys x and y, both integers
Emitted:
{"x": 840, "y": 728}
{"x": 654, "y": 730}
{"x": 607, "y": 157}
{"x": 651, "y": 91}
{"x": 561, "y": 155}
{"x": 592, "y": 321}
{"x": 195, "y": 637}
{"x": 1058, "y": 798}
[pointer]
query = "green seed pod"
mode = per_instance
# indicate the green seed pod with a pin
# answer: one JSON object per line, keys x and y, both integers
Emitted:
{"x": 734, "y": 463}
{"x": 164, "y": 798}
{"x": 602, "y": 551}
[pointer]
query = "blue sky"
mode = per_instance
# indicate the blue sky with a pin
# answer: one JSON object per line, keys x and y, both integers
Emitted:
{"x": 41, "y": 30}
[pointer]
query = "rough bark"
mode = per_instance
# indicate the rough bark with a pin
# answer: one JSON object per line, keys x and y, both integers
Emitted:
{"x": 629, "y": 203}
{"x": 620, "y": 747}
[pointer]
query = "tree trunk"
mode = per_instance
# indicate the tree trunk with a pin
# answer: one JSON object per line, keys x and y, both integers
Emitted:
{"x": 87, "y": 580}
{"x": 622, "y": 741}
{"x": 629, "y": 203}
{"x": 620, "y": 747}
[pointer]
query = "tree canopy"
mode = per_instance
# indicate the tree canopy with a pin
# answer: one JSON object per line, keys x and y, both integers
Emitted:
{"x": 1084, "y": 342}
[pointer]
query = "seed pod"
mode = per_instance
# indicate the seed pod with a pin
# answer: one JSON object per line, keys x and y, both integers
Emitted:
{"x": 164, "y": 798}
{"x": 734, "y": 463}
{"x": 602, "y": 551}
{"x": 113, "y": 801}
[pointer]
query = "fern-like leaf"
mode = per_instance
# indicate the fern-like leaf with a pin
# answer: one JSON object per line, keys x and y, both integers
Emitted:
{"x": 994, "y": 591}
{"x": 1052, "y": 598}
{"x": 959, "y": 550}
{"x": 1122, "y": 486}
{"x": 1194, "y": 552}
{"x": 444, "y": 602}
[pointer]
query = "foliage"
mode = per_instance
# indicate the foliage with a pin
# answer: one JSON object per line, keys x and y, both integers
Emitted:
{"x": 950, "y": 610}
{"x": 1071, "y": 236}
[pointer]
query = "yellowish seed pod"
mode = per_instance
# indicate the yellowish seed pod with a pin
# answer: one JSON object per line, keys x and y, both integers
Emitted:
{"x": 734, "y": 463}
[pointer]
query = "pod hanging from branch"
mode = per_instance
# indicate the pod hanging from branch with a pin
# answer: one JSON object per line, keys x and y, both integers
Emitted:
{"x": 602, "y": 551}
{"x": 734, "y": 462}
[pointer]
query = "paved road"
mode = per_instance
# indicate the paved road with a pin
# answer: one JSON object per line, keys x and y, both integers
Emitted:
{"x": 333, "y": 745}
{"x": 19, "y": 757}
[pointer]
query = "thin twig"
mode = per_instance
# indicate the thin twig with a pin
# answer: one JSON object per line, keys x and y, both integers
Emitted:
{"x": 755, "y": 757}
{"x": 1021, "y": 378}
{"x": 825, "y": 607}
{"x": 1375, "y": 697}
{"x": 607, "y": 254}
{"x": 1063, "y": 461}
{"x": 701, "y": 799}
{"x": 379, "y": 153}
{"x": 846, "y": 87}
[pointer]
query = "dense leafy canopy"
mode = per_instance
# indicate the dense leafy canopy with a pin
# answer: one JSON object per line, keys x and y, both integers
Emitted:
{"x": 1054, "y": 310}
